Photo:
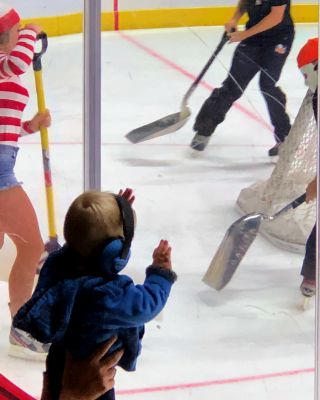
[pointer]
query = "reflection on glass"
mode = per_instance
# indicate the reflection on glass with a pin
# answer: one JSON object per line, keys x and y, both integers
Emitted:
{"x": 253, "y": 336}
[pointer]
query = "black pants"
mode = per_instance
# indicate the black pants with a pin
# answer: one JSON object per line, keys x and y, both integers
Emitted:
{"x": 309, "y": 263}
{"x": 248, "y": 60}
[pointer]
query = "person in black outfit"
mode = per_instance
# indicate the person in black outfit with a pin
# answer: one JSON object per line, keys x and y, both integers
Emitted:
{"x": 264, "y": 47}
{"x": 308, "y": 64}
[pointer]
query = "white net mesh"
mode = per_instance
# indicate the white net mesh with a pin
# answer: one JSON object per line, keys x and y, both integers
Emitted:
{"x": 294, "y": 170}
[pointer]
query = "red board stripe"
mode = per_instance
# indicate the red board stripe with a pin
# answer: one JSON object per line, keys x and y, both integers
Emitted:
{"x": 116, "y": 14}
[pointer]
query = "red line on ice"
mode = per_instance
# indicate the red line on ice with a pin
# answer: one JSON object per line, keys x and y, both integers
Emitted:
{"x": 191, "y": 76}
{"x": 242, "y": 379}
{"x": 147, "y": 144}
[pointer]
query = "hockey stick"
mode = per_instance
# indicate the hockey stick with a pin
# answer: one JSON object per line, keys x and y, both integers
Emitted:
{"x": 173, "y": 122}
{"x": 236, "y": 243}
{"x": 52, "y": 244}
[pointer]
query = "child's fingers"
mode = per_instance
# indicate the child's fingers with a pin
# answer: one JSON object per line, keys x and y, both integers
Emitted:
{"x": 127, "y": 194}
{"x": 169, "y": 252}
{"x": 164, "y": 246}
{"x": 159, "y": 248}
{"x": 162, "y": 251}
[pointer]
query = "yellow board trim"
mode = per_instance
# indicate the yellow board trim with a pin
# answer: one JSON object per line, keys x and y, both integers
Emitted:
{"x": 58, "y": 25}
{"x": 160, "y": 18}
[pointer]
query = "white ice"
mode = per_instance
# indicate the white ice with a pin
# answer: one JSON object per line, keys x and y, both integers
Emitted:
{"x": 255, "y": 326}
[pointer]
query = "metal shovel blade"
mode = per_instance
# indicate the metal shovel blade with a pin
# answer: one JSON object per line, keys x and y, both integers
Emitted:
{"x": 173, "y": 122}
{"x": 232, "y": 249}
{"x": 160, "y": 127}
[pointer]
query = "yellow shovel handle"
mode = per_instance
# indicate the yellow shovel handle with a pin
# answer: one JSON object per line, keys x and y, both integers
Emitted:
{"x": 45, "y": 156}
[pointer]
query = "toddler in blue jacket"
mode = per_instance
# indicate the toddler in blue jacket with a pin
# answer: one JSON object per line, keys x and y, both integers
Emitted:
{"x": 81, "y": 299}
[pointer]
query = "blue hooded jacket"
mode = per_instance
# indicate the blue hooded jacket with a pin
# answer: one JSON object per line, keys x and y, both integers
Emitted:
{"x": 77, "y": 313}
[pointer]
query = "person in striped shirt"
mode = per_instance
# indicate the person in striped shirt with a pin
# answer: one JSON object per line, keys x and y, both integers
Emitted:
{"x": 18, "y": 219}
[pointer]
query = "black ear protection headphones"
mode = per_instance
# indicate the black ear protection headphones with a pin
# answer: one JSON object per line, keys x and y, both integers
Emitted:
{"x": 115, "y": 253}
{"x": 112, "y": 255}
{"x": 126, "y": 213}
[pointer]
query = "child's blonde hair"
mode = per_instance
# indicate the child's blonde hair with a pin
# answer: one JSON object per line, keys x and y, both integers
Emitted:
{"x": 93, "y": 218}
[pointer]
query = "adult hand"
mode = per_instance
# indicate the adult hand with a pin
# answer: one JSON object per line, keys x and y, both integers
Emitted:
{"x": 34, "y": 27}
{"x": 90, "y": 378}
{"x": 231, "y": 26}
{"x": 162, "y": 255}
{"x": 237, "y": 36}
{"x": 311, "y": 191}
{"x": 40, "y": 120}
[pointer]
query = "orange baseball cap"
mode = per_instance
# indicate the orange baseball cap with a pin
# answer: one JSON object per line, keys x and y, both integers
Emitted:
{"x": 309, "y": 53}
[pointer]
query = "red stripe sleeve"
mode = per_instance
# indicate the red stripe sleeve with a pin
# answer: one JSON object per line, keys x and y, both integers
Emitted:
{"x": 13, "y": 87}
{"x": 26, "y": 45}
{"x": 3, "y": 74}
{"x": 26, "y": 36}
{"x": 14, "y": 69}
{"x": 10, "y": 121}
{"x": 22, "y": 56}
{"x": 26, "y": 127}
{"x": 12, "y": 104}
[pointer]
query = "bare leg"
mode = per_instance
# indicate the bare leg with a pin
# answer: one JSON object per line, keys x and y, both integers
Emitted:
{"x": 19, "y": 221}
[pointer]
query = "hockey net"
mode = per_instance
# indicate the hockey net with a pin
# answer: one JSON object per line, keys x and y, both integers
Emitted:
{"x": 295, "y": 168}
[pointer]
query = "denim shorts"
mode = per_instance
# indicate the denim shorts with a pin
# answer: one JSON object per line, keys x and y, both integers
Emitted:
{"x": 8, "y": 156}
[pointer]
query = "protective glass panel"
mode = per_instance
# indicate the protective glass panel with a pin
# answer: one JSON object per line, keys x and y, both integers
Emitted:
{"x": 204, "y": 132}
{"x": 258, "y": 330}
{"x": 49, "y": 172}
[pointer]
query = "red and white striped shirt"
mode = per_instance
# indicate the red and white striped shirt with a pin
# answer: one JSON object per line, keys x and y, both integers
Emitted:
{"x": 13, "y": 95}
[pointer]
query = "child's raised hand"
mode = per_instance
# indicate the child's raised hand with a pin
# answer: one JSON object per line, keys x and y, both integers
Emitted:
{"x": 162, "y": 255}
{"x": 40, "y": 120}
{"x": 128, "y": 195}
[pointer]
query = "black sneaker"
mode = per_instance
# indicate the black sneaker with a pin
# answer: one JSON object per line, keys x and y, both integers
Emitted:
{"x": 274, "y": 151}
{"x": 308, "y": 287}
{"x": 199, "y": 142}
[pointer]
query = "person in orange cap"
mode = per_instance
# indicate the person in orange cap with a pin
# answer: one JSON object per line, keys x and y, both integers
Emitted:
{"x": 308, "y": 64}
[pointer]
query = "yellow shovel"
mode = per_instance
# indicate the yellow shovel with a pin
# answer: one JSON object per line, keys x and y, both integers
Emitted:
{"x": 52, "y": 244}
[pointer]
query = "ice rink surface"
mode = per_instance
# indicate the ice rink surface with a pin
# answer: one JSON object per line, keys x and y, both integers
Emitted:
{"x": 251, "y": 340}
